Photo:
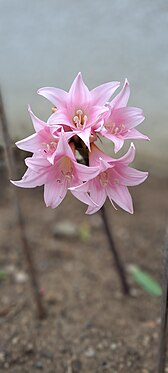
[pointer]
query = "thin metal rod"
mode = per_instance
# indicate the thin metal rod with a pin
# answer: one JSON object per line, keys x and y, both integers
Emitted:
{"x": 164, "y": 312}
{"x": 25, "y": 244}
{"x": 118, "y": 262}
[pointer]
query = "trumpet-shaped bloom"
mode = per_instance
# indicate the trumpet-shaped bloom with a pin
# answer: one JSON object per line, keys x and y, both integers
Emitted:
{"x": 44, "y": 141}
{"x": 120, "y": 121}
{"x": 79, "y": 110}
{"x": 65, "y": 172}
{"x": 114, "y": 177}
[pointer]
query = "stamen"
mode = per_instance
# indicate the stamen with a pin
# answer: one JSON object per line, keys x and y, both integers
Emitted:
{"x": 103, "y": 179}
{"x": 49, "y": 147}
{"x": 80, "y": 118}
{"x": 116, "y": 181}
{"x": 111, "y": 127}
{"x": 53, "y": 144}
{"x": 54, "y": 109}
{"x": 116, "y": 130}
{"x": 66, "y": 169}
{"x": 79, "y": 112}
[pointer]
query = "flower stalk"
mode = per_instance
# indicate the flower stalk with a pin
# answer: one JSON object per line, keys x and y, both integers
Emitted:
{"x": 24, "y": 240}
{"x": 164, "y": 312}
{"x": 117, "y": 260}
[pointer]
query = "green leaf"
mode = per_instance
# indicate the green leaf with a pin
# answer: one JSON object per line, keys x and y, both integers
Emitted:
{"x": 145, "y": 281}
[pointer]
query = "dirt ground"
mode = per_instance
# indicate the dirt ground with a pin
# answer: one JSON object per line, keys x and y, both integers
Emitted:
{"x": 90, "y": 326}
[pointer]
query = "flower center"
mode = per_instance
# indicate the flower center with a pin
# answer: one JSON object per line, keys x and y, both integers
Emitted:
{"x": 49, "y": 147}
{"x": 80, "y": 118}
{"x": 103, "y": 178}
{"x": 66, "y": 168}
{"x": 115, "y": 130}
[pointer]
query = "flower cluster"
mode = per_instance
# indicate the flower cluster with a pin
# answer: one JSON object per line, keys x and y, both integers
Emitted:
{"x": 65, "y": 155}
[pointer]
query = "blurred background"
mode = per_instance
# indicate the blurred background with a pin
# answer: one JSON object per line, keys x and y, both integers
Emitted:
{"x": 46, "y": 43}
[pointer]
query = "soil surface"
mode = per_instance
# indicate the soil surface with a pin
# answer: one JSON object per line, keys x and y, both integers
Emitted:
{"x": 90, "y": 325}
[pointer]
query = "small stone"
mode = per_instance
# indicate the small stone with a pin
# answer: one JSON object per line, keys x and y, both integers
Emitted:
{"x": 39, "y": 365}
{"x": 6, "y": 366}
{"x": 65, "y": 229}
{"x": 100, "y": 346}
{"x": 15, "y": 340}
{"x": 113, "y": 346}
{"x": 146, "y": 340}
{"x": 29, "y": 348}
{"x": 129, "y": 363}
{"x": 166, "y": 370}
{"x": 90, "y": 352}
{"x": 21, "y": 277}
{"x": 51, "y": 298}
{"x": 145, "y": 371}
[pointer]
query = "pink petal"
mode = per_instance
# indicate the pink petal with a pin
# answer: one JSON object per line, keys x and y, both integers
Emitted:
{"x": 128, "y": 157}
{"x": 39, "y": 165}
{"x": 37, "y": 123}
{"x": 57, "y": 96}
{"x": 60, "y": 117}
{"x": 54, "y": 193}
{"x": 128, "y": 116}
{"x": 84, "y": 136}
{"x": 122, "y": 98}
{"x": 102, "y": 93}
{"x": 98, "y": 196}
{"x": 63, "y": 149}
{"x": 86, "y": 173}
{"x": 134, "y": 134}
{"x": 118, "y": 144}
{"x": 96, "y": 114}
{"x": 30, "y": 143}
{"x": 118, "y": 141}
{"x": 129, "y": 176}
{"x": 83, "y": 197}
{"x": 84, "y": 187}
{"x": 79, "y": 94}
{"x": 31, "y": 179}
{"x": 95, "y": 154}
{"x": 120, "y": 195}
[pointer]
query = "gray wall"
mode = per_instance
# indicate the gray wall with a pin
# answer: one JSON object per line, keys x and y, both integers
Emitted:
{"x": 46, "y": 42}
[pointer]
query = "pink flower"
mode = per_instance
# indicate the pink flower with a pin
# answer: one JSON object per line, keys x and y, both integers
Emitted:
{"x": 79, "y": 117}
{"x": 65, "y": 172}
{"x": 79, "y": 110}
{"x": 44, "y": 141}
{"x": 120, "y": 120}
{"x": 112, "y": 181}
